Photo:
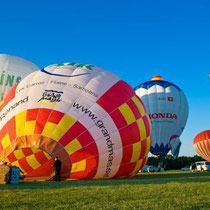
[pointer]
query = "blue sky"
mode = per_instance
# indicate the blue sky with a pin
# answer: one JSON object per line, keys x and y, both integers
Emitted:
{"x": 133, "y": 38}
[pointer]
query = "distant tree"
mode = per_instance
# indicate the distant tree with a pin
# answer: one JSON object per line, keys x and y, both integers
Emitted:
{"x": 152, "y": 161}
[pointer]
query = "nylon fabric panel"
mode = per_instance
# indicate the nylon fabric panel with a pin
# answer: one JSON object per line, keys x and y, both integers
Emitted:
{"x": 13, "y": 69}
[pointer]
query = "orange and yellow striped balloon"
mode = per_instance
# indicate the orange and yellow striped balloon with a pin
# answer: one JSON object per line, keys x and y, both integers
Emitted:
{"x": 201, "y": 144}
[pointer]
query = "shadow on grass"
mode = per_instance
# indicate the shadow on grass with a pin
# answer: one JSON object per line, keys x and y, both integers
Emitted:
{"x": 140, "y": 179}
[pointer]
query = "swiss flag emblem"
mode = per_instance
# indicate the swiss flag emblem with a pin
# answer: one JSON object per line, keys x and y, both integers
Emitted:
{"x": 170, "y": 99}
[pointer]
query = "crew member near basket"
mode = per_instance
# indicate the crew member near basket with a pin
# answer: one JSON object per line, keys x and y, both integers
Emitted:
{"x": 57, "y": 165}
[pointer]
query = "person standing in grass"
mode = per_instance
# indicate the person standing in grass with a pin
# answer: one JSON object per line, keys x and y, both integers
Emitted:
{"x": 164, "y": 167}
{"x": 159, "y": 166}
{"x": 57, "y": 165}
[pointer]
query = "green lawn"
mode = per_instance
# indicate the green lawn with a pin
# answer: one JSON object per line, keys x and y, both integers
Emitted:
{"x": 170, "y": 190}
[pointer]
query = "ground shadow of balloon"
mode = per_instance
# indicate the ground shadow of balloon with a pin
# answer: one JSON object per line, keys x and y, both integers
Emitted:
{"x": 140, "y": 179}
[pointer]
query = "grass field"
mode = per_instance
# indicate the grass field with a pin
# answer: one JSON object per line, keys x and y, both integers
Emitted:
{"x": 170, "y": 190}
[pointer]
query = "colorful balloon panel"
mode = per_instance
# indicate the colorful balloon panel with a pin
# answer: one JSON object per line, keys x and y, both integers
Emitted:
{"x": 12, "y": 70}
{"x": 93, "y": 121}
{"x": 201, "y": 144}
{"x": 167, "y": 107}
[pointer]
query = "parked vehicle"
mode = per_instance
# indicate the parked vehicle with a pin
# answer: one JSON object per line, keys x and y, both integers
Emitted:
{"x": 144, "y": 169}
{"x": 152, "y": 169}
{"x": 186, "y": 168}
{"x": 201, "y": 166}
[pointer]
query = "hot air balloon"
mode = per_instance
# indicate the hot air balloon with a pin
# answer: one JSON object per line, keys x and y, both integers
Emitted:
{"x": 87, "y": 117}
{"x": 201, "y": 144}
{"x": 167, "y": 107}
{"x": 12, "y": 70}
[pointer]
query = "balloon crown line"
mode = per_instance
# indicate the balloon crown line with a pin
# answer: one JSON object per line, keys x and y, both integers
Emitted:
{"x": 78, "y": 65}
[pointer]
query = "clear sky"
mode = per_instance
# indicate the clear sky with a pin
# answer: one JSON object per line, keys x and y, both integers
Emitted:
{"x": 133, "y": 38}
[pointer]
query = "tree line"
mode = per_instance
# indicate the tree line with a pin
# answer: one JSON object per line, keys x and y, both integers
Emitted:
{"x": 174, "y": 163}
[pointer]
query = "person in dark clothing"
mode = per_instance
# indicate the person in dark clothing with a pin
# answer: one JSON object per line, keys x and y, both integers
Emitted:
{"x": 57, "y": 165}
{"x": 164, "y": 167}
{"x": 159, "y": 167}
{"x": 193, "y": 166}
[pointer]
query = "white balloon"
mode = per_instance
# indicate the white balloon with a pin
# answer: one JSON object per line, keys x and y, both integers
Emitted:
{"x": 12, "y": 70}
{"x": 88, "y": 117}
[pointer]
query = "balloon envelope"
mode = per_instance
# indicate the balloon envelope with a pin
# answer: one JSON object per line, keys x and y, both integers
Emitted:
{"x": 167, "y": 107}
{"x": 12, "y": 70}
{"x": 201, "y": 144}
{"x": 88, "y": 117}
